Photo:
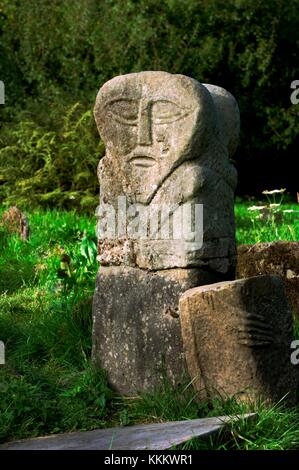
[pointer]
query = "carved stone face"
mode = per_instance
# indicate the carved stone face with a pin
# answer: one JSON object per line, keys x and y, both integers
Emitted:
{"x": 150, "y": 122}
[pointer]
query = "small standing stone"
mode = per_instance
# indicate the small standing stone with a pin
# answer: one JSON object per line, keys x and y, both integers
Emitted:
{"x": 16, "y": 222}
{"x": 237, "y": 338}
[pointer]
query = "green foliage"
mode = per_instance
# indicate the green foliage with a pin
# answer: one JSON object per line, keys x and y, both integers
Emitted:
{"x": 51, "y": 168}
{"x": 55, "y": 53}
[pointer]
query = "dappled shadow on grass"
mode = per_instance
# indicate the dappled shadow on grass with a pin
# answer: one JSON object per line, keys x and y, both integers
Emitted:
{"x": 41, "y": 325}
{"x": 38, "y": 401}
{"x": 47, "y": 384}
{"x": 17, "y": 261}
{"x": 15, "y": 275}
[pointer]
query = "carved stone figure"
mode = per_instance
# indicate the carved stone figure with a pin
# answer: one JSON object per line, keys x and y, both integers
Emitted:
{"x": 168, "y": 140}
{"x": 165, "y": 219}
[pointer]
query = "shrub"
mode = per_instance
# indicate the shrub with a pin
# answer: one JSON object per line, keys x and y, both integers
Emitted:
{"x": 51, "y": 167}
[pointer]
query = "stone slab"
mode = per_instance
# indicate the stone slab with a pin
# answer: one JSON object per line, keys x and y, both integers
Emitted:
{"x": 158, "y": 436}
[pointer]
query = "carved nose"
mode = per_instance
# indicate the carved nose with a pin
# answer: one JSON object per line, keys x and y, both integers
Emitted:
{"x": 144, "y": 125}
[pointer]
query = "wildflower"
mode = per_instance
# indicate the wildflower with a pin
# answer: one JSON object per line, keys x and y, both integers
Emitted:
{"x": 274, "y": 191}
{"x": 40, "y": 267}
{"x": 257, "y": 208}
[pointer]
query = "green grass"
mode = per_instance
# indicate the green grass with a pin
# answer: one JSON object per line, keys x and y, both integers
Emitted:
{"x": 274, "y": 225}
{"x": 48, "y": 384}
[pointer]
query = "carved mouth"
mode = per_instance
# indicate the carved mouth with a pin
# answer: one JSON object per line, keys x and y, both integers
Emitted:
{"x": 143, "y": 160}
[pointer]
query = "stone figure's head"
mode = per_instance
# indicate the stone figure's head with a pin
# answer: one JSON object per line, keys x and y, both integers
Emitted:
{"x": 150, "y": 123}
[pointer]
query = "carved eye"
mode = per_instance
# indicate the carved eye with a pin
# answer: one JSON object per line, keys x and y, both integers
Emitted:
{"x": 166, "y": 112}
{"x": 124, "y": 111}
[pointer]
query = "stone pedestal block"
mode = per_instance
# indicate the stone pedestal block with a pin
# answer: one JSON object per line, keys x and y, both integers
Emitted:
{"x": 237, "y": 339}
{"x": 136, "y": 326}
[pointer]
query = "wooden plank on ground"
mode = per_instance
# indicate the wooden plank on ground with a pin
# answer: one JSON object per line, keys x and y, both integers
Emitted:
{"x": 156, "y": 436}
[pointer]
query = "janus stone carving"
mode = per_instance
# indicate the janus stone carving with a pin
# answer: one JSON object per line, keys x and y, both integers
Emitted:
{"x": 168, "y": 143}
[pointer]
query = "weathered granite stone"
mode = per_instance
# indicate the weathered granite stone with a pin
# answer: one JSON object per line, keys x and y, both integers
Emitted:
{"x": 280, "y": 258}
{"x": 168, "y": 142}
{"x": 237, "y": 339}
{"x": 136, "y": 326}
